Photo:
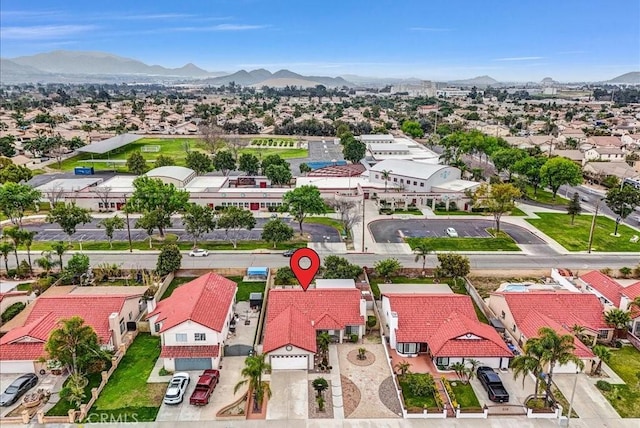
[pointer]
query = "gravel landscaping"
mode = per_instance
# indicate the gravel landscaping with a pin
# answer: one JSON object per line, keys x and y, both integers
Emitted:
{"x": 350, "y": 396}
{"x": 314, "y": 413}
{"x": 388, "y": 395}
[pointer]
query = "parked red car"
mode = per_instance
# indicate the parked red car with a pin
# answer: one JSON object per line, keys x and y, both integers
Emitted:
{"x": 205, "y": 386}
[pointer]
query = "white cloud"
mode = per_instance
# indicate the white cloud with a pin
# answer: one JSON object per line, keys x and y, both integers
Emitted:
{"x": 39, "y": 32}
{"x": 520, "y": 58}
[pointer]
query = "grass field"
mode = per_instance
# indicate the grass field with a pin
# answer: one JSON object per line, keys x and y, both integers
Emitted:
{"x": 127, "y": 393}
{"x": 327, "y": 221}
{"x": 465, "y": 396}
{"x": 545, "y": 197}
{"x": 183, "y": 245}
{"x": 503, "y": 243}
{"x": 246, "y": 288}
{"x": 625, "y": 398}
{"x": 174, "y": 148}
{"x": 576, "y": 237}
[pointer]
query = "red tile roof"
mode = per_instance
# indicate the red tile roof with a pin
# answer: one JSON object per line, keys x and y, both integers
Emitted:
{"x": 209, "y": 351}
{"x": 47, "y": 312}
{"x": 321, "y": 309}
{"x": 22, "y": 351}
{"x": 444, "y": 321}
{"x": 604, "y": 285}
{"x": 290, "y": 327}
{"x": 566, "y": 308}
{"x": 531, "y": 325}
{"x": 632, "y": 291}
{"x": 205, "y": 300}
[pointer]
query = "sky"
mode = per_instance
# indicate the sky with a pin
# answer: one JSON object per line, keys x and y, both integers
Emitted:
{"x": 509, "y": 40}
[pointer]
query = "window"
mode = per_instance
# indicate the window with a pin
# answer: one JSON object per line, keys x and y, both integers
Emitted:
{"x": 352, "y": 329}
{"x": 377, "y": 176}
{"x": 157, "y": 326}
{"x": 123, "y": 326}
{"x": 514, "y": 328}
{"x": 442, "y": 361}
{"x": 200, "y": 336}
{"x": 603, "y": 334}
{"x": 261, "y": 204}
{"x": 422, "y": 184}
{"x": 407, "y": 348}
{"x": 503, "y": 315}
{"x": 181, "y": 337}
{"x": 415, "y": 183}
{"x": 100, "y": 205}
{"x": 130, "y": 315}
{"x": 395, "y": 179}
{"x": 401, "y": 180}
{"x": 113, "y": 205}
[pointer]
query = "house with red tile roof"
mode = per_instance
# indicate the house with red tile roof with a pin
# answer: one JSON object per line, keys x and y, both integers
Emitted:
{"x": 629, "y": 294}
{"x": 444, "y": 327}
{"x": 193, "y": 323}
{"x": 295, "y": 317}
{"x": 607, "y": 289}
{"x": 108, "y": 314}
{"x": 524, "y": 313}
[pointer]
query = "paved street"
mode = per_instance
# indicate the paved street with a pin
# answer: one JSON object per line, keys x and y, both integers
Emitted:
{"x": 92, "y": 232}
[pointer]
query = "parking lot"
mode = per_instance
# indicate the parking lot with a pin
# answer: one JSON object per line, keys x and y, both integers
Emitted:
{"x": 91, "y": 232}
{"x": 393, "y": 231}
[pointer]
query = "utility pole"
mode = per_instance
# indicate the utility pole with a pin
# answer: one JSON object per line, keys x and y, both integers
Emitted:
{"x": 363, "y": 222}
{"x": 126, "y": 213}
{"x": 593, "y": 225}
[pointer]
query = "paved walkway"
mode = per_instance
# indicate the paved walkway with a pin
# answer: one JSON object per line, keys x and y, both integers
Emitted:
{"x": 336, "y": 383}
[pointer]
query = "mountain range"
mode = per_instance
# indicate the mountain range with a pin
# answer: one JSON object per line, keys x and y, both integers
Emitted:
{"x": 100, "y": 67}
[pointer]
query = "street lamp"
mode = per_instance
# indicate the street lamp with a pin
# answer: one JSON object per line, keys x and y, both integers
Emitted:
{"x": 573, "y": 393}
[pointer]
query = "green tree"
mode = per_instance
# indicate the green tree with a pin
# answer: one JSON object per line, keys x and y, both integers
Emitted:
{"x": 277, "y": 231}
{"x": 272, "y": 160}
{"x": 278, "y": 174}
{"x": 420, "y": 384}
{"x": 284, "y": 276}
{"x": 136, "y": 164}
{"x": 224, "y": 161}
{"x": 413, "y": 129}
{"x": 6, "y": 247}
{"x": 323, "y": 340}
{"x": 497, "y": 199}
{"x": 529, "y": 168}
{"x": 254, "y": 367}
{"x": 304, "y": 168}
{"x": 59, "y": 248}
{"x": 505, "y": 159}
{"x": 111, "y": 224}
{"x": 604, "y": 355}
{"x": 336, "y": 267}
{"x": 169, "y": 260}
{"x": 320, "y": 385}
{"x": 529, "y": 362}
{"x": 27, "y": 240}
{"x": 574, "y": 208}
{"x": 157, "y": 202}
{"x": 163, "y": 160}
{"x": 386, "y": 176}
{"x": 403, "y": 367}
{"x": 618, "y": 319}
{"x": 234, "y": 219}
{"x": 623, "y": 201}
{"x": 249, "y": 163}
{"x": 16, "y": 199}
{"x": 422, "y": 250}
{"x": 453, "y": 266}
{"x": 303, "y": 201}
{"x": 73, "y": 391}
{"x": 198, "y": 220}
{"x": 75, "y": 345}
{"x": 560, "y": 171}
{"x": 77, "y": 265}
{"x": 68, "y": 217}
{"x": 199, "y": 162}
{"x": 7, "y": 146}
{"x": 387, "y": 268}
{"x": 10, "y": 172}
{"x": 46, "y": 262}
{"x": 354, "y": 150}
{"x": 556, "y": 349}
{"x": 14, "y": 233}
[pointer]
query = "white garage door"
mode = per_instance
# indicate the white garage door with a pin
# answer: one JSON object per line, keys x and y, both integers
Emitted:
{"x": 289, "y": 362}
{"x": 17, "y": 367}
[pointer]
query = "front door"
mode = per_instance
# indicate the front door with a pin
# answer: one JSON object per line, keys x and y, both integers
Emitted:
{"x": 424, "y": 347}
{"x": 254, "y": 206}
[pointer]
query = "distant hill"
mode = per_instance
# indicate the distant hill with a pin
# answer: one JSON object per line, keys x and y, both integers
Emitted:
{"x": 12, "y": 72}
{"x": 280, "y": 78}
{"x": 632, "y": 78}
{"x": 477, "y": 81}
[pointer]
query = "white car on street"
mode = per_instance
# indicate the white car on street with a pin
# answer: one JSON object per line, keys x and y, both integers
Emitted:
{"x": 198, "y": 252}
{"x": 176, "y": 389}
{"x": 451, "y": 232}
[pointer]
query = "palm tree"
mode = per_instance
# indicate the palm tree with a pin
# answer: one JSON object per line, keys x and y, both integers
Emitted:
{"x": 471, "y": 371}
{"x": 422, "y": 250}
{"x": 386, "y": 176}
{"x": 60, "y": 247}
{"x": 403, "y": 367}
{"x": 635, "y": 303}
{"x": 254, "y": 366}
{"x": 603, "y": 354}
{"x": 529, "y": 362}
{"x": 556, "y": 349}
{"x": 6, "y": 247}
{"x": 320, "y": 384}
{"x": 14, "y": 233}
{"x": 323, "y": 340}
{"x": 459, "y": 368}
{"x": 46, "y": 262}
{"x": 27, "y": 239}
{"x": 618, "y": 319}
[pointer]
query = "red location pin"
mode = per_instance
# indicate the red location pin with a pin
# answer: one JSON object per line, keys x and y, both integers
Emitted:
{"x": 305, "y": 276}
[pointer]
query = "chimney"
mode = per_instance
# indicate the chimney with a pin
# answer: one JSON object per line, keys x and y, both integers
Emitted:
{"x": 151, "y": 305}
{"x": 114, "y": 326}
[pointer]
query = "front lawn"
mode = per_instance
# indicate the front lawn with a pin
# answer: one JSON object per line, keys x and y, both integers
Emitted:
{"x": 416, "y": 403}
{"x": 503, "y": 243}
{"x": 246, "y": 288}
{"x": 625, "y": 398}
{"x": 127, "y": 393}
{"x": 465, "y": 396}
{"x": 576, "y": 237}
{"x": 62, "y": 407}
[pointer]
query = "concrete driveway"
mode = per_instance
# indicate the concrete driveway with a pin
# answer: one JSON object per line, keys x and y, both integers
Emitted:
{"x": 289, "y": 395}
{"x": 517, "y": 393}
{"x": 47, "y": 382}
{"x": 221, "y": 396}
{"x": 588, "y": 402}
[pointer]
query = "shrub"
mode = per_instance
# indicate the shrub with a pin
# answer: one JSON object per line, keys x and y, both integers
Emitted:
{"x": 603, "y": 385}
{"x": 354, "y": 338}
{"x": 284, "y": 276}
{"x": 23, "y": 270}
{"x": 169, "y": 260}
{"x": 164, "y": 372}
{"x": 12, "y": 311}
{"x": 11, "y": 273}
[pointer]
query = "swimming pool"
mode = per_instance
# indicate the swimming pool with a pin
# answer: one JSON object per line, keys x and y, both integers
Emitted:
{"x": 516, "y": 287}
